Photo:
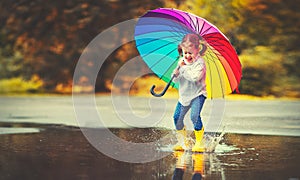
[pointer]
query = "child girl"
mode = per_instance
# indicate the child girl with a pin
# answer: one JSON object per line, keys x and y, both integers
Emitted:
{"x": 190, "y": 74}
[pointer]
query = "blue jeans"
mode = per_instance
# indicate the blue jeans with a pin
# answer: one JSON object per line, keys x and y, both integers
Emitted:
{"x": 196, "y": 107}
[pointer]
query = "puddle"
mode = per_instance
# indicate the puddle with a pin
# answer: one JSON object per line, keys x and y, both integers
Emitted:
{"x": 64, "y": 153}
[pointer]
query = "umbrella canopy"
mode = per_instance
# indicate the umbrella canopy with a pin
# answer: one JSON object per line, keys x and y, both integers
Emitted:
{"x": 158, "y": 34}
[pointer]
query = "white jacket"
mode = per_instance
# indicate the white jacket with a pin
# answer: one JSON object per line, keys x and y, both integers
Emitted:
{"x": 191, "y": 80}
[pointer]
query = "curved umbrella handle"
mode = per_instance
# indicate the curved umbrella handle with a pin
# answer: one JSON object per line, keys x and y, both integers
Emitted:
{"x": 164, "y": 91}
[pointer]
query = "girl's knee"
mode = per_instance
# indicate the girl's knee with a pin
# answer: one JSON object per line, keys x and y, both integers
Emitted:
{"x": 176, "y": 116}
{"x": 197, "y": 123}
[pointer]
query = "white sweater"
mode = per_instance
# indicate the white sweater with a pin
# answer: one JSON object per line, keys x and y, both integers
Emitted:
{"x": 191, "y": 80}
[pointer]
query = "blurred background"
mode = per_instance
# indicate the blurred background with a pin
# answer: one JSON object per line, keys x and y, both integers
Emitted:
{"x": 41, "y": 42}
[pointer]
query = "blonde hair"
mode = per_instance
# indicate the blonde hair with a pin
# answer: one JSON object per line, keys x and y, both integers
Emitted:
{"x": 194, "y": 39}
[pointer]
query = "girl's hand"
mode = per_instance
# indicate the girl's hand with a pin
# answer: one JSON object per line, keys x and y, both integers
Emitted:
{"x": 181, "y": 63}
{"x": 176, "y": 72}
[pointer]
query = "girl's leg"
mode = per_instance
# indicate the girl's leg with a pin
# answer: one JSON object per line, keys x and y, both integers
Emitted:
{"x": 179, "y": 114}
{"x": 196, "y": 107}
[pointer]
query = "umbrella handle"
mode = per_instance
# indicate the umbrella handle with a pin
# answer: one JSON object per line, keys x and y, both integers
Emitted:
{"x": 164, "y": 91}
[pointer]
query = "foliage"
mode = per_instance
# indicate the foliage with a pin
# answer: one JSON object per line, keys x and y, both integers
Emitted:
{"x": 51, "y": 36}
{"x": 265, "y": 76}
{"x": 19, "y": 85}
{"x": 10, "y": 63}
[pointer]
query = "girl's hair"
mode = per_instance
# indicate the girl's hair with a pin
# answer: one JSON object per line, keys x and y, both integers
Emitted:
{"x": 194, "y": 39}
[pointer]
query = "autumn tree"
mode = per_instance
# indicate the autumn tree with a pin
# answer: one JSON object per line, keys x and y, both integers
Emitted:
{"x": 51, "y": 36}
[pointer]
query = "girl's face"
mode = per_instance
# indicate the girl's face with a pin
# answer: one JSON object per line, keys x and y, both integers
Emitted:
{"x": 189, "y": 53}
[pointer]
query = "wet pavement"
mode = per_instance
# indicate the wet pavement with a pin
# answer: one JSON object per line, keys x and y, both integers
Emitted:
{"x": 63, "y": 152}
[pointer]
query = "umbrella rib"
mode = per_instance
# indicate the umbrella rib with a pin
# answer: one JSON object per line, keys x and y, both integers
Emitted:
{"x": 202, "y": 27}
{"x": 219, "y": 74}
{"x": 198, "y": 27}
{"x": 177, "y": 14}
{"x": 171, "y": 42}
{"x": 152, "y": 40}
{"x": 191, "y": 20}
{"x": 178, "y": 20}
{"x": 160, "y": 31}
{"x": 178, "y": 26}
{"x": 153, "y": 65}
{"x": 185, "y": 20}
{"x": 231, "y": 60}
{"x": 168, "y": 68}
{"x": 208, "y": 62}
{"x": 216, "y": 43}
{"x": 207, "y": 29}
{"x": 181, "y": 26}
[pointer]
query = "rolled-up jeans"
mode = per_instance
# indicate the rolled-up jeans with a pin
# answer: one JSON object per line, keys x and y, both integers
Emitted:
{"x": 196, "y": 107}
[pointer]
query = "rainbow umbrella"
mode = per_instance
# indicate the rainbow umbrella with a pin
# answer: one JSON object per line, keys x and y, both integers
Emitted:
{"x": 158, "y": 34}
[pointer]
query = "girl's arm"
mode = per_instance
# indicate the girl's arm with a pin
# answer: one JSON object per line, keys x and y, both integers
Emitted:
{"x": 176, "y": 72}
{"x": 194, "y": 73}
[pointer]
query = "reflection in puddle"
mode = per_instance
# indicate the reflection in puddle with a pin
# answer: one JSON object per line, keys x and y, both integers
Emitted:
{"x": 191, "y": 162}
{"x": 196, "y": 166}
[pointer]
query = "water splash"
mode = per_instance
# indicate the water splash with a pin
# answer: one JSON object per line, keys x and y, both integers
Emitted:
{"x": 212, "y": 141}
